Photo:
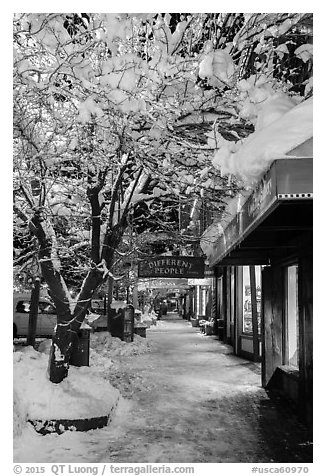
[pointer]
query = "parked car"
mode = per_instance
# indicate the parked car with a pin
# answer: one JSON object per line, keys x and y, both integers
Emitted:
{"x": 46, "y": 319}
{"x": 97, "y": 306}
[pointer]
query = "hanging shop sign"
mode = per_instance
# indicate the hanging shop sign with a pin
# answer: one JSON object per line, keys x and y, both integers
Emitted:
{"x": 172, "y": 267}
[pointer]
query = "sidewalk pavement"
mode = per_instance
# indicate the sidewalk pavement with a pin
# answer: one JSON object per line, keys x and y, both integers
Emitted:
{"x": 197, "y": 402}
{"x": 171, "y": 316}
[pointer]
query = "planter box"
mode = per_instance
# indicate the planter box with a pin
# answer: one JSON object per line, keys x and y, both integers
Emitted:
{"x": 59, "y": 426}
{"x": 140, "y": 331}
{"x": 209, "y": 330}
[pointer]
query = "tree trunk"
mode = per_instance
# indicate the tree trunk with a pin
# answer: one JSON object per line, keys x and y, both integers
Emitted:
{"x": 108, "y": 304}
{"x": 67, "y": 327}
{"x": 70, "y": 314}
{"x": 61, "y": 349}
{"x": 66, "y": 330}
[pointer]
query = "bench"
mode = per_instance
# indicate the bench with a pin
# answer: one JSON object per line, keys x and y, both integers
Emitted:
{"x": 207, "y": 327}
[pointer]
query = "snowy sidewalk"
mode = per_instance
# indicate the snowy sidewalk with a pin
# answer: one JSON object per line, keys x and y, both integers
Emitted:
{"x": 199, "y": 403}
{"x": 187, "y": 399}
{"x": 171, "y": 316}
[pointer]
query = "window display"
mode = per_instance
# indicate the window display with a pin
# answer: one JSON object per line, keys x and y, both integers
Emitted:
{"x": 247, "y": 304}
{"x": 292, "y": 317}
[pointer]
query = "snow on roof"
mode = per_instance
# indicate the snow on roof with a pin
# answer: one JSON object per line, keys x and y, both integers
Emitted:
{"x": 254, "y": 155}
{"x": 288, "y": 136}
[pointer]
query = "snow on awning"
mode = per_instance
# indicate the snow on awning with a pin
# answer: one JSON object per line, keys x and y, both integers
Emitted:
{"x": 280, "y": 139}
{"x": 286, "y": 180}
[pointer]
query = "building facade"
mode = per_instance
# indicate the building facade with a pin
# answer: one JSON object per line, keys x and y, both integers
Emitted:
{"x": 263, "y": 286}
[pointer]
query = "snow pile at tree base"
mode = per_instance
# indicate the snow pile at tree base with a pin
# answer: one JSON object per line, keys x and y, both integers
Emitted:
{"x": 106, "y": 345}
{"x": 19, "y": 415}
{"x": 82, "y": 394}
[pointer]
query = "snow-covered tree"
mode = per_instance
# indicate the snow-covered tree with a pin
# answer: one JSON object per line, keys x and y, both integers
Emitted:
{"x": 117, "y": 114}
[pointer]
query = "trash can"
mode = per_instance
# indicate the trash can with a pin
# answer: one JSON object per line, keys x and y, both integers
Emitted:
{"x": 164, "y": 309}
{"x": 80, "y": 353}
{"x": 220, "y": 328}
{"x": 117, "y": 323}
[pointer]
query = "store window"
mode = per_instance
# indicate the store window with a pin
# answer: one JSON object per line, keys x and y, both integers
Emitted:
{"x": 230, "y": 304}
{"x": 247, "y": 300}
{"x": 232, "y": 295}
{"x": 220, "y": 298}
{"x": 198, "y": 301}
{"x": 203, "y": 300}
{"x": 291, "y": 317}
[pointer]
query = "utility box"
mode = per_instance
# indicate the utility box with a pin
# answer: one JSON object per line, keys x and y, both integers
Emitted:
{"x": 80, "y": 353}
{"x": 129, "y": 323}
{"x": 122, "y": 324}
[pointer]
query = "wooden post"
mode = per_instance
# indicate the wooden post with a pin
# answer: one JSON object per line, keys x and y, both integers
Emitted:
{"x": 305, "y": 295}
{"x": 238, "y": 322}
{"x": 108, "y": 304}
{"x": 225, "y": 301}
{"x": 105, "y": 304}
{"x": 254, "y": 315}
{"x": 272, "y": 322}
{"x": 33, "y": 312}
{"x": 135, "y": 301}
{"x": 227, "y": 339}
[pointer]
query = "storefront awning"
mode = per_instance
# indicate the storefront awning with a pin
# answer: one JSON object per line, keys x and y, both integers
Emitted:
{"x": 270, "y": 221}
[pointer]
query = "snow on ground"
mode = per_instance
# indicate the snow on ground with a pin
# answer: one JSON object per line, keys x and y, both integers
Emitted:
{"x": 86, "y": 392}
{"x": 104, "y": 344}
{"x": 80, "y": 395}
{"x": 71, "y": 446}
{"x": 189, "y": 400}
{"x": 110, "y": 376}
{"x": 108, "y": 356}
